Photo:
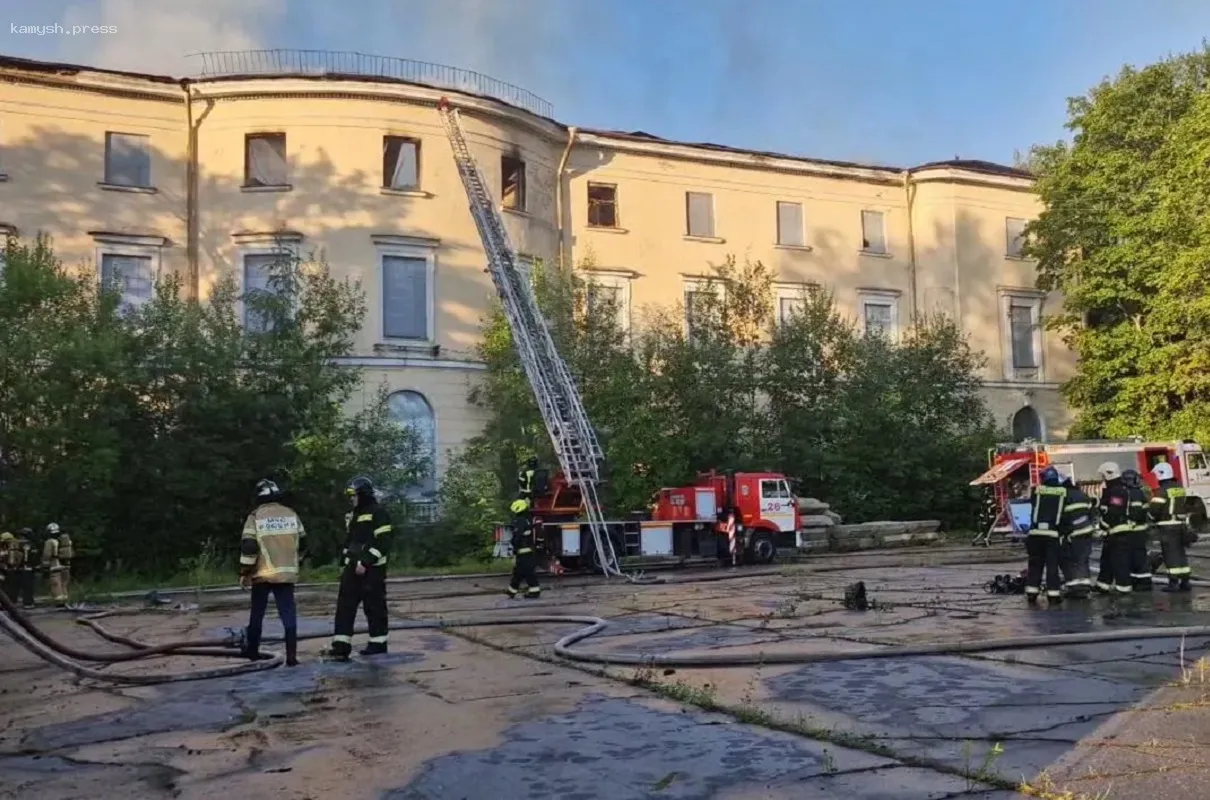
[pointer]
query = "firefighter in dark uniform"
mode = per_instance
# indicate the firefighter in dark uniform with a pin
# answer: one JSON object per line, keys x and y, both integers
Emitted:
{"x": 1078, "y": 527}
{"x": 1169, "y": 509}
{"x": 525, "y": 480}
{"x": 1140, "y": 531}
{"x": 363, "y": 581}
{"x": 1114, "y": 575}
{"x": 525, "y": 551}
{"x": 1042, "y": 544}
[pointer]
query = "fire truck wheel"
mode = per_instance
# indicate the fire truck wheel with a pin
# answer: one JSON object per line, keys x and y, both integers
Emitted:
{"x": 762, "y": 549}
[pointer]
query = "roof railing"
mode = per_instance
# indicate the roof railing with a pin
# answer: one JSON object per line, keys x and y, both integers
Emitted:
{"x": 233, "y": 63}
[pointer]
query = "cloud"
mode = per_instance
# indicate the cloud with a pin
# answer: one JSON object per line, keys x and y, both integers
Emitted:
{"x": 151, "y": 35}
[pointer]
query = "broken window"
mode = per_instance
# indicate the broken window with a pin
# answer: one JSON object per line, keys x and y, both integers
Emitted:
{"x": 602, "y": 205}
{"x": 400, "y": 163}
{"x": 127, "y": 160}
{"x": 512, "y": 183}
{"x": 873, "y": 232}
{"x": 699, "y": 214}
{"x": 265, "y": 160}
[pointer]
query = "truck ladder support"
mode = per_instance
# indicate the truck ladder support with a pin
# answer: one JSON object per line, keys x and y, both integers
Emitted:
{"x": 555, "y": 391}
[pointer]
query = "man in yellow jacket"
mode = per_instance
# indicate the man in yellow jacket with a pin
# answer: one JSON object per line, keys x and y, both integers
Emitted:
{"x": 269, "y": 559}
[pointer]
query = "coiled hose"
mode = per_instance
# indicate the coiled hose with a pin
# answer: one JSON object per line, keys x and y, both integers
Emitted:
{"x": 23, "y": 631}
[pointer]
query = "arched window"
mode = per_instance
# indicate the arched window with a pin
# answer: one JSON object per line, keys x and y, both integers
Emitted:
{"x": 1027, "y": 424}
{"x": 413, "y": 410}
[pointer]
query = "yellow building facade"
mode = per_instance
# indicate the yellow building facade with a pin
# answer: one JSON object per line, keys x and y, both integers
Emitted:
{"x": 149, "y": 175}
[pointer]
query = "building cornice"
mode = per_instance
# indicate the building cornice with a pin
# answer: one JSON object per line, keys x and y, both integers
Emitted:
{"x": 286, "y": 88}
{"x": 131, "y": 89}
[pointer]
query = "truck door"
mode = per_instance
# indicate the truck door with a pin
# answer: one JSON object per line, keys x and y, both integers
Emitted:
{"x": 1151, "y": 457}
{"x": 777, "y": 504}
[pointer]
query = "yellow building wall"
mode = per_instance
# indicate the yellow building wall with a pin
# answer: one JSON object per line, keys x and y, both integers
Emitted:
{"x": 52, "y": 154}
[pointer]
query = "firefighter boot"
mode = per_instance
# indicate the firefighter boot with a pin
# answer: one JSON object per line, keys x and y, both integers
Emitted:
{"x": 373, "y": 649}
{"x": 1185, "y": 585}
{"x": 533, "y": 593}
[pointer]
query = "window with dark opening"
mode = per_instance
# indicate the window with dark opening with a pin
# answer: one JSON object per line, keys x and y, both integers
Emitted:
{"x": 602, "y": 205}
{"x": 400, "y": 163}
{"x": 512, "y": 183}
{"x": 265, "y": 160}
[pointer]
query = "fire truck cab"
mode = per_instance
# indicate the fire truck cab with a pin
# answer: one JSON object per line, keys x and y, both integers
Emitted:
{"x": 1013, "y": 470}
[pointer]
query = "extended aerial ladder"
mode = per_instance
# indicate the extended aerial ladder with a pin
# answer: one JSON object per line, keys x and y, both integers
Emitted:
{"x": 555, "y": 391}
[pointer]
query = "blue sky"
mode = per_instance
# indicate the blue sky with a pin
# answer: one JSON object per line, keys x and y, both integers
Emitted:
{"x": 866, "y": 80}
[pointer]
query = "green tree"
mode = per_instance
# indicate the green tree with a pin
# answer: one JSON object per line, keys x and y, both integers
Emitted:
{"x": 1125, "y": 237}
{"x": 143, "y": 430}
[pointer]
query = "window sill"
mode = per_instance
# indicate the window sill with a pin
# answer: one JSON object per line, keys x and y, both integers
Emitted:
{"x": 874, "y": 254}
{"x": 120, "y": 187}
{"x": 387, "y": 190}
{"x": 705, "y": 239}
{"x": 1022, "y": 259}
{"x": 607, "y": 229}
{"x": 257, "y": 188}
{"x": 801, "y": 248}
{"x": 520, "y": 212}
{"x": 408, "y": 347}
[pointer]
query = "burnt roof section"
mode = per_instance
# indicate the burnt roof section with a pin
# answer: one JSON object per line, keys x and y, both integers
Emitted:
{"x": 978, "y": 165}
{"x": 970, "y": 165}
{"x": 643, "y": 136}
{"x": 55, "y": 68}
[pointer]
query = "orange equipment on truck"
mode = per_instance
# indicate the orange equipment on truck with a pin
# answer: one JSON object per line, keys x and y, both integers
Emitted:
{"x": 1013, "y": 469}
{"x": 683, "y": 523}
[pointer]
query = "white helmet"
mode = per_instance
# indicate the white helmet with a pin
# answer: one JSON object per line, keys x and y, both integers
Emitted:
{"x": 1162, "y": 471}
{"x": 53, "y": 529}
{"x": 1109, "y": 471}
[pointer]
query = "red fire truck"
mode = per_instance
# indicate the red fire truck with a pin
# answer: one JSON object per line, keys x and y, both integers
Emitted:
{"x": 1013, "y": 470}
{"x": 681, "y": 523}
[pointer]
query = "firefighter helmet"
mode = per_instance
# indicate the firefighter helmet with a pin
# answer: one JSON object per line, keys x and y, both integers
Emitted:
{"x": 1109, "y": 471}
{"x": 1162, "y": 471}
{"x": 1050, "y": 477}
{"x": 360, "y": 487}
{"x": 1131, "y": 478}
{"x": 266, "y": 489}
{"x": 519, "y": 506}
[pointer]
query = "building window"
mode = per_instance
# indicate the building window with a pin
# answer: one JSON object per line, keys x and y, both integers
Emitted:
{"x": 791, "y": 300}
{"x": 602, "y": 205}
{"x": 127, "y": 160}
{"x": 791, "y": 230}
{"x": 265, "y": 160}
{"x": 412, "y": 410}
{"x": 880, "y": 314}
{"x": 609, "y": 292}
{"x": 1021, "y": 326}
{"x": 407, "y": 294}
{"x": 400, "y": 163}
{"x": 873, "y": 232}
{"x": 1014, "y": 237}
{"x": 701, "y": 301}
{"x": 1022, "y": 347}
{"x": 131, "y": 276}
{"x": 512, "y": 183}
{"x": 1027, "y": 425}
{"x": 258, "y": 281}
{"x": 699, "y": 214}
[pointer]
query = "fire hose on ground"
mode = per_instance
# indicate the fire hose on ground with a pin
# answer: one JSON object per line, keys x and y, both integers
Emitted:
{"x": 26, "y": 633}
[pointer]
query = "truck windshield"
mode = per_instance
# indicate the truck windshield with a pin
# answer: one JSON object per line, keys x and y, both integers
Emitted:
{"x": 1196, "y": 461}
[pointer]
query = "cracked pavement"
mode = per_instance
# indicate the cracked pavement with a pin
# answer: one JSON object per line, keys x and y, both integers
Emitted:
{"x": 484, "y": 713}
